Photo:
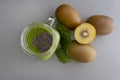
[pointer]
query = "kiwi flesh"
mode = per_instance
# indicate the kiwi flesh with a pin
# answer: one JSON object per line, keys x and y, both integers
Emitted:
{"x": 85, "y": 33}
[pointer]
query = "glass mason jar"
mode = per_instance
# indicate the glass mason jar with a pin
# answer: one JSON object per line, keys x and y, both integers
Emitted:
{"x": 26, "y": 42}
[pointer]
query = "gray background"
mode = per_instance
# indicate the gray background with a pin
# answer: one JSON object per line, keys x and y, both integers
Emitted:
{"x": 16, "y": 65}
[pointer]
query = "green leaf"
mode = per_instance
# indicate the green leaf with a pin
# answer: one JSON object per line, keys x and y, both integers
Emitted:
{"x": 62, "y": 57}
{"x": 65, "y": 37}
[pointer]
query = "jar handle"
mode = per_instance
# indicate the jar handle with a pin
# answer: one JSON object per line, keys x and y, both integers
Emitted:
{"x": 52, "y": 22}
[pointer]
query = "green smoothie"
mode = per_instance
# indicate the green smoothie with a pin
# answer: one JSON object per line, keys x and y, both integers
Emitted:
{"x": 31, "y": 35}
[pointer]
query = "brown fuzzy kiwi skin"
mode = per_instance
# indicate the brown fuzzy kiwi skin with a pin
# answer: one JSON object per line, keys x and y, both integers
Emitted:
{"x": 82, "y": 53}
{"x": 68, "y": 16}
{"x": 103, "y": 24}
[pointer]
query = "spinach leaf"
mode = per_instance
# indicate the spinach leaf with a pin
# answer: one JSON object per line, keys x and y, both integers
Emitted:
{"x": 65, "y": 42}
{"x": 65, "y": 37}
{"x": 62, "y": 56}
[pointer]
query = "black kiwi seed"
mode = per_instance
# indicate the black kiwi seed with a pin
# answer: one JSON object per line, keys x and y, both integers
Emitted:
{"x": 43, "y": 42}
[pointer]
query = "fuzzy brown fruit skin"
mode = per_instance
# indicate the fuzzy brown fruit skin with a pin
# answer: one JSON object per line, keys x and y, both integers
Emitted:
{"x": 82, "y": 53}
{"x": 103, "y": 24}
{"x": 68, "y": 16}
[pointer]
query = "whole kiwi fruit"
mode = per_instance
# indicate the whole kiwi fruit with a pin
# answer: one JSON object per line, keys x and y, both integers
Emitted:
{"x": 68, "y": 16}
{"x": 82, "y": 53}
{"x": 103, "y": 24}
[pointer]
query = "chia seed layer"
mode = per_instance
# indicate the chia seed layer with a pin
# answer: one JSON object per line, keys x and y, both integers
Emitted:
{"x": 43, "y": 42}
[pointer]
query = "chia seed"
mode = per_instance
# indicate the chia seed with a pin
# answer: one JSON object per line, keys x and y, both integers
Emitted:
{"x": 43, "y": 42}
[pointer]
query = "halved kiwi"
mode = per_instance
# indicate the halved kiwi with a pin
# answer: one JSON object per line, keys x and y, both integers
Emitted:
{"x": 85, "y": 33}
